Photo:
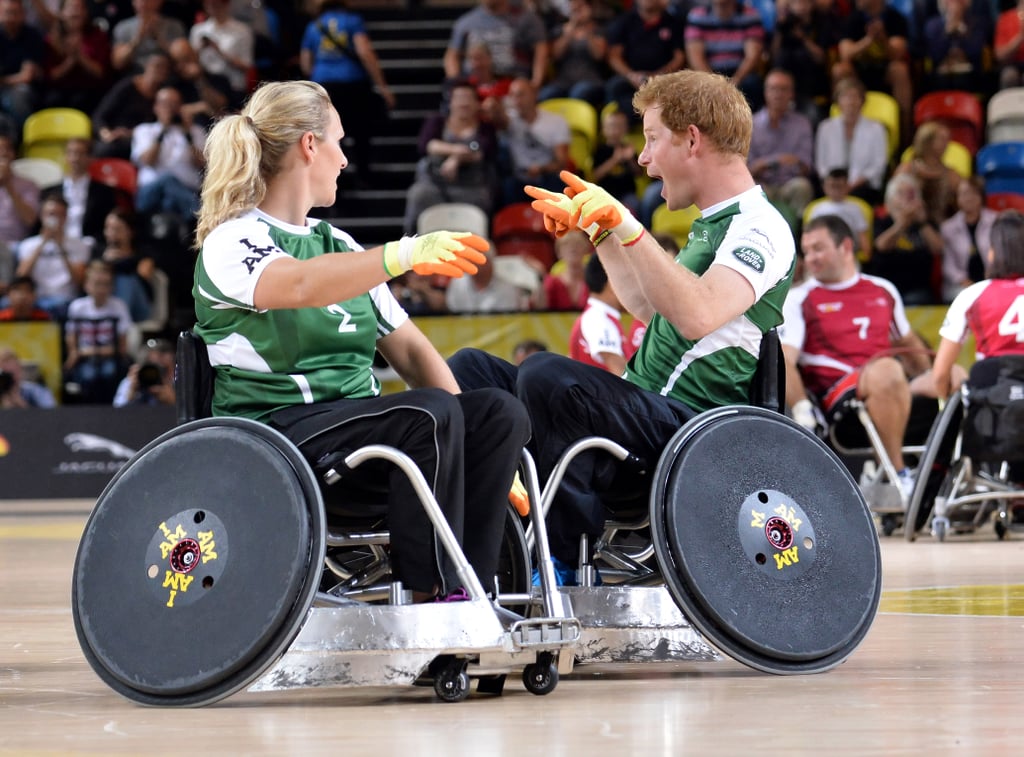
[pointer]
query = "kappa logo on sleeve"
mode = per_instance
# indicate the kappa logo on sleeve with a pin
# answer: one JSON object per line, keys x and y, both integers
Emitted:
{"x": 750, "y": 257}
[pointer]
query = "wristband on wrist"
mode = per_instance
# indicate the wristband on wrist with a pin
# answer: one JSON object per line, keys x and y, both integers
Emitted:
{"x": 384, "y": 255}
{"x": 633, "y": 240}
{"x": 601, "y": 236}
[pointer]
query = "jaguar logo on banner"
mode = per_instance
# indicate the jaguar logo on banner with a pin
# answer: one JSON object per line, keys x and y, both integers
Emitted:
{"x": 91, "y": 443}
{"x": 72, "y": 452}
{"x": 95, "y": 454}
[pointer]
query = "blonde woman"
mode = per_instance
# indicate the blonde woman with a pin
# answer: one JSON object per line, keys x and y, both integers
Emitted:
{"x": 292, "y": 311}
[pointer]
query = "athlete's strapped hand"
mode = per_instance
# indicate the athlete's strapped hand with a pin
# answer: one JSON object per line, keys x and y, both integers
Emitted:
{"x": 518, "y": 497}
{"x": 556, "y": 208}
{"x": 595, "y": 206}
{"x": 450, "y": 253}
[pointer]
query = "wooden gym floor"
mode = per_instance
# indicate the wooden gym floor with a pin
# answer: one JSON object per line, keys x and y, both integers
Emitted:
{"x": 940, "y": 672}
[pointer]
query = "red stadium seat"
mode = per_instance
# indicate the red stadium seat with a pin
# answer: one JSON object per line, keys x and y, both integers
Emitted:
{"x": 960, "y": 111}
{"x": 115, "y": 172}
{"x": 518, "y": 229}
{"x": 1005, "y": 201}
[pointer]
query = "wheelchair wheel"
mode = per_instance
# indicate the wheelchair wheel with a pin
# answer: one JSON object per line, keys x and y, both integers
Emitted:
{"x": 933, "y": 466}
{"x": 199, "y": 563}
{"x": 514, "y": 571}
{"x": 765, "y": 541}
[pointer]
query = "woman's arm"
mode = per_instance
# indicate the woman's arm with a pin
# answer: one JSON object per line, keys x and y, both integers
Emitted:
{"x": 415, "y": 359}
{"x": 942, "y": 368}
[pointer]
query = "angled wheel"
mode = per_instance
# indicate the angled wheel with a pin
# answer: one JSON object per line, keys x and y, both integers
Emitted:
{"x": 933, "y": 466}
{"x": 199, "y": 563}
{"x": 765, "y": 541}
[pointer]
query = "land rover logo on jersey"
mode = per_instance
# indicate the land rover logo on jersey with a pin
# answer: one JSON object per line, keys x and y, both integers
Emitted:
{"x": 750, "y": 257}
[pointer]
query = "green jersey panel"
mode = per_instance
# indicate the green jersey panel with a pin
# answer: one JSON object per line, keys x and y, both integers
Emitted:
{"x": 269, "y": 360}
{"x": 748, "y": 235}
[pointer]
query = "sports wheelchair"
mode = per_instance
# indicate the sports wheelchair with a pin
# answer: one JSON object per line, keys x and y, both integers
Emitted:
{"x": 760, "y": 536}
{"x": 976, "y": 449}
{"x": 753, "y": 539}
{"x": 190, "y": 586}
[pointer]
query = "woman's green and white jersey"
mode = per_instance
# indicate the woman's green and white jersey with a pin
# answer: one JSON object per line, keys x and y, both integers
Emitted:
{"x": 266, "y": 360}
{"x": 751, "y": 237}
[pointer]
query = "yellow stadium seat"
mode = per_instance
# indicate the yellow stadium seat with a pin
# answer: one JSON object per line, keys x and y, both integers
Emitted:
{"x": 46, "y": 131}
{"x": 582, "y": 120}
{"x": 674, "y": 222}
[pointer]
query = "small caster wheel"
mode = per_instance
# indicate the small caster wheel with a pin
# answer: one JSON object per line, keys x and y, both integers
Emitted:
{"x": 451, "y": 682}
{"x": 939, "y": 528}
{"x": 541, "y": 677}
{"x": 1001, "y": 529}
{"x": 889, "y": 524}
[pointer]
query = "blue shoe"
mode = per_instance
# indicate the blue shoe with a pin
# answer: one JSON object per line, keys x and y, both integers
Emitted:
{"x": 564, "y": 575}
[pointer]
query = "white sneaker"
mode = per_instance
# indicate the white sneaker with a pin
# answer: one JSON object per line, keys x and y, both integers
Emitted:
{"x": 906, "y": 482}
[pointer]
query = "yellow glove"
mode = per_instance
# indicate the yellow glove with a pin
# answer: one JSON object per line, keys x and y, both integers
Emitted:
{"x": 594, "y": 206}
{"x": 449, "y": 253}
{"x": 518, "y": 497}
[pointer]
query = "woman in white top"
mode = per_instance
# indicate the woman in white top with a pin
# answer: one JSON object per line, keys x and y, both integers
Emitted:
{"x": 853, "y": 141}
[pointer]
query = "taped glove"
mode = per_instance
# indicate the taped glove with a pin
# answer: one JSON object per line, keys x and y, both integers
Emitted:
{"x": 595, "y": 206}
{"x": 803, "y": 413}
{"x": 518, "y": 497}
{"x": 449, "y": 253}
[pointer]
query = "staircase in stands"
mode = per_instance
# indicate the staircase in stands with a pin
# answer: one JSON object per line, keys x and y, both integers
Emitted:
{"x": 410, "y": 44}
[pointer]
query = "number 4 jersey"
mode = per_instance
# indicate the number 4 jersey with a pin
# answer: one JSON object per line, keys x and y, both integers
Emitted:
{"x": 994, "y": 311}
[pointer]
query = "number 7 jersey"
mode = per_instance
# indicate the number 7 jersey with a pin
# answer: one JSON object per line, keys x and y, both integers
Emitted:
{"x": 840, "y": 327}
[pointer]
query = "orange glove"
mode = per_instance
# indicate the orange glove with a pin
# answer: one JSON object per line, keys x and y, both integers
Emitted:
{"x": 518, "y": 497}
{"x": 556, "y": 208}
{"x": 593, "y": 205}
{"x": 449, "y": 253}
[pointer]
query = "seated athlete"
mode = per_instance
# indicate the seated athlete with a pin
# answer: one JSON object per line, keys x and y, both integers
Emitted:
{"x": 707, "y": 308}
{"x": 846, "y": 334}
{"x": 292, "y": 311}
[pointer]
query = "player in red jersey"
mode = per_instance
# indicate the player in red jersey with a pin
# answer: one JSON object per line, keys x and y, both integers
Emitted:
{"x": 993, "y": 309}
{"x": 596, "y": 337}
{"x": 846, "y": 333}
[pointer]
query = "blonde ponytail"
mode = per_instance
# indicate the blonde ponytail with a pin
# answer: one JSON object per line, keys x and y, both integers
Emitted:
{"x": 244, "y": 152}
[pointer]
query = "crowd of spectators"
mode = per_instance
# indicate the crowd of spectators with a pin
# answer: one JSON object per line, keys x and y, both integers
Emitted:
{"x": 807, "y": 67}
{"x": 154, "y": 74}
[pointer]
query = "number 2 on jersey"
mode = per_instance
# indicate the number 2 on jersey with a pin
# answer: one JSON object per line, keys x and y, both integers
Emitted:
{"x": 346, "y": 326}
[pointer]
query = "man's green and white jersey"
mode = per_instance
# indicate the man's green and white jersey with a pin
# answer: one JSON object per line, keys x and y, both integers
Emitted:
{"x": 266, "y": 360}
{"x": 750, "y": 236}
